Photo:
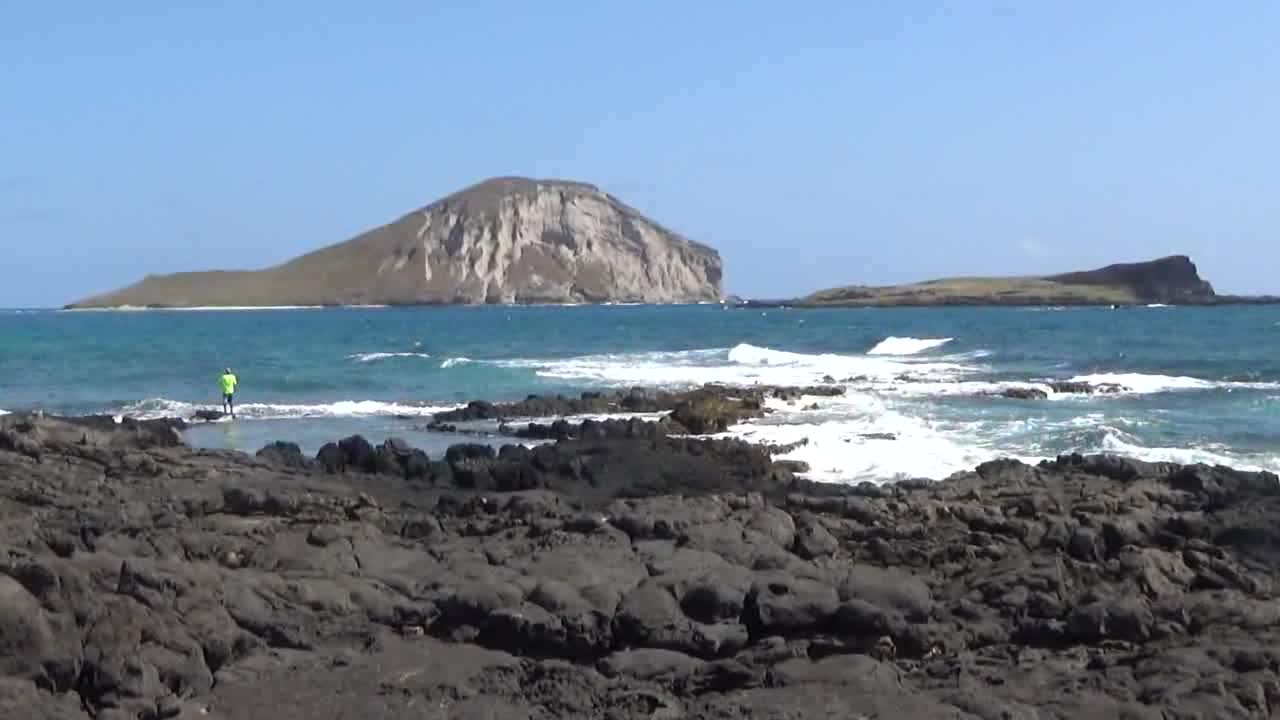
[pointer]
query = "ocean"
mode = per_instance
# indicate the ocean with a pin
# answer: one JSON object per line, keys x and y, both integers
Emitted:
{"x": 1201, "y": 384}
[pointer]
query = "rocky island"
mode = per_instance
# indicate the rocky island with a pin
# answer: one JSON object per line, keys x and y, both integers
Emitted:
{"x": 504, "y": 240}
{"x": 619, "y": 572}
{"x": 1172, "y": 280}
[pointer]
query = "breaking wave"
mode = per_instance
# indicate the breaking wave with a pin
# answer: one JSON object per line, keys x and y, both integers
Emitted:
{"x": 906, "y": 345}
{"x": 862, "y": 437}
{"x": 1122, "y": 443}
{"x": 743, "y": 364}
{"x": 1146, "y": 384}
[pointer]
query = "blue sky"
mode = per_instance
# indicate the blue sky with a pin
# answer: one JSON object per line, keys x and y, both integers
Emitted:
{"x": 813, "y": 143}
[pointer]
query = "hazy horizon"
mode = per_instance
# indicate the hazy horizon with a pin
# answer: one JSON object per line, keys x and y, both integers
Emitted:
{"x": 831, "y": 145}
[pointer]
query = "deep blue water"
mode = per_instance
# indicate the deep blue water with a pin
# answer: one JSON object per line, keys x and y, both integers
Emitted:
{"x": 1202, "y": 383}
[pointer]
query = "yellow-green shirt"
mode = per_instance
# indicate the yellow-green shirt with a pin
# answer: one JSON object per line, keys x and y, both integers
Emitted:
{"x": 228, "y": 383}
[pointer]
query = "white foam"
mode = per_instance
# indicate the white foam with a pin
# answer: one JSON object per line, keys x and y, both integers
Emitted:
{"x": 1145, "y": 384}
{"x": 959, "y": 388}
{"x": 848, "y": 440}
{"x": 374, "y": 356}
{"x": 844, "y": 443}
{"x": 113, "y": 308}
{"x": 455, "y": 361}
{"x": 906, "y": 345}
{"x": 4, "y": 412}
{"x": 970, "y": 355}
{"x": 743, "y": 364}
{"x": 1124, "y": 444}
{"x": 815, "y": 366}
{"x": 163, "y": 407}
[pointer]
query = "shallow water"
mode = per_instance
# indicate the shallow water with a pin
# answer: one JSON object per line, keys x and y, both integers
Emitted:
{"x": 1203, "y": 384}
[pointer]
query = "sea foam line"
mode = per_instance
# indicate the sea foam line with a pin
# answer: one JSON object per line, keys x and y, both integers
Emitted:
{"x": 164, "y": 407}
{"x": 202, "y": 308}
{"x": 374, "y": 356}
{"x": 743, "y": 364}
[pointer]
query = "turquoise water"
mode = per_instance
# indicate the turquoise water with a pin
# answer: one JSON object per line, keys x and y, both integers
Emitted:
{"x": 1202, "y": 384}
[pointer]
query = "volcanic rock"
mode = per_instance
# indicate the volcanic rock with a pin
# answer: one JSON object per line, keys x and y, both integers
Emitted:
{"x": 620, "y": 577}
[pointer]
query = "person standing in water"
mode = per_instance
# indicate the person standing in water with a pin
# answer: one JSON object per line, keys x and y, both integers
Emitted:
{"x": 228, "y": 384}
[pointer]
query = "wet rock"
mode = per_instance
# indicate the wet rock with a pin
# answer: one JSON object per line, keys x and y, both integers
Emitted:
{"x": 709, "y": 415}
{"x": 1024, "y": 393}
{"x": 283, "y": 454}
{"x": 705, "y": 406}
{"x": 358, "y": 453}
{"x": 331, "y": 458}
{"x": 878, "y": 436}
{"x": 1084, "y": 388}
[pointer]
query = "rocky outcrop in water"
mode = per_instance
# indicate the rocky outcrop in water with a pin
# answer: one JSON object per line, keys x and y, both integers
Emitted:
{"x": 701, "y": 409}
{"x": 620, "y": 578}
{"x": 1061, "y": 387}
{"x": 506, "y": 240}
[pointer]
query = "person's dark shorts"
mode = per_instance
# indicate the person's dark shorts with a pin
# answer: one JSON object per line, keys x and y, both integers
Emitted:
{"x": 228, "y": 397}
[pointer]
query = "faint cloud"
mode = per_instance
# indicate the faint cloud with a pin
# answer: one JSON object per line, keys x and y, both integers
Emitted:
{"x": 1035, "y": 248}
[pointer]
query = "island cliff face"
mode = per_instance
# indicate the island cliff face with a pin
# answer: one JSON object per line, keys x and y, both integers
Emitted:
{"x": 1169, "y": 280}
{"x": 1172, "y": 279}
{"x": 505, "y": 240}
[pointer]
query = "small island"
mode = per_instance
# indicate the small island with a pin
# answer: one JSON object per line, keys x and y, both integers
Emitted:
{"x": 1172, "y": 280}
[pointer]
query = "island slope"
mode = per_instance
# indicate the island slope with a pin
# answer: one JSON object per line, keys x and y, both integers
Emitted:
{"x": 504, "y": 240}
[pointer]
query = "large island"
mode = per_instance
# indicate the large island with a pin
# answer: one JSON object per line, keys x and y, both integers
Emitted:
{"x": 505, "y": 240}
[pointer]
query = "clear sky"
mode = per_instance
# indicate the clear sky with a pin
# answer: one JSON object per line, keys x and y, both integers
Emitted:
{"x": 813, "y": 143}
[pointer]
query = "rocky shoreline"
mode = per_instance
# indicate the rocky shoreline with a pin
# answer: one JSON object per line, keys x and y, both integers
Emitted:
{"x": 619, "y": 573}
